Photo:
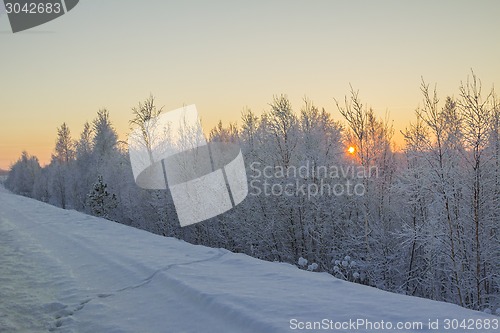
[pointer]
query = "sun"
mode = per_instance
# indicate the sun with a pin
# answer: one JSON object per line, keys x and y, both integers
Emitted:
{"x": 351, "y": 150}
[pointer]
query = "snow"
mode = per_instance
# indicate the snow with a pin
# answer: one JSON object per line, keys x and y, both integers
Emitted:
{"x": 64, "y": 271}
{"x": 312, "y": 267}
{"x": 302, "y": 262}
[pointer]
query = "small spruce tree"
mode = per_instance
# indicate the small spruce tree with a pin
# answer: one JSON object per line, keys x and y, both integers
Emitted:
{"x": 101, "y": 202}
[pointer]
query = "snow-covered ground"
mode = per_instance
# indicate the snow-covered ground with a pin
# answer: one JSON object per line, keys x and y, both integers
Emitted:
{"x": 65, "y": 271}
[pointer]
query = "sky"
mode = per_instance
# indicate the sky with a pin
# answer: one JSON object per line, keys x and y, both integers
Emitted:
{"x": 228, "y": 55}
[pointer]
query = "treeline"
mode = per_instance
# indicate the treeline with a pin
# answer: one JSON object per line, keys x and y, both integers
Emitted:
{"x": 424, "y": 224}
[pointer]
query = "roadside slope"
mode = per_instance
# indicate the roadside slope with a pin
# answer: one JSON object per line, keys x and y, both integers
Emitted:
{"x": 65, "y": 271}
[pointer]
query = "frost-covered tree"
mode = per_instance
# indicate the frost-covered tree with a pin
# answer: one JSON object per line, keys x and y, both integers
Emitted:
{"x": 23, "y": 175}
{"x": 64, "y": 150}
{"x": 59, "y": 168}
{"x": 145, "y": 120}
{"x": 83, "y": 171}
{"x": 283, "y": 126}
{"x": 104, "y": 140}
{"x": 371, "y": 221}
{"x": 450, "y": 233}
{"x": 476, "y": 113}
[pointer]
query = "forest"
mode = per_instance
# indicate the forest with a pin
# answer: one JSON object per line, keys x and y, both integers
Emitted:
{"x": 328, "y": 195}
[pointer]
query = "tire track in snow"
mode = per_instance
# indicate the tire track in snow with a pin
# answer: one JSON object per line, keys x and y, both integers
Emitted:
{"x": 70, "y": 254}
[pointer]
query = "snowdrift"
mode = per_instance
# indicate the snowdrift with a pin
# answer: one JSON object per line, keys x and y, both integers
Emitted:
{"x": 64, "y": 271}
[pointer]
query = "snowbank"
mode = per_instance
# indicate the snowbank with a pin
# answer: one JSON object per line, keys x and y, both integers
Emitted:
{"x": 65, "y": 271}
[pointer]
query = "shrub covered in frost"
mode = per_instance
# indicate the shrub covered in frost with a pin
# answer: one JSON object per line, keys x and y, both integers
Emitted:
{"x": 312, "y": 267}
{"x": 302, "y": 262}
{"x": 347, "y": 269}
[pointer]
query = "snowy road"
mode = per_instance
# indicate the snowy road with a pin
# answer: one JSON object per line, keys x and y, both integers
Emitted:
{"x": 64, "y": 271}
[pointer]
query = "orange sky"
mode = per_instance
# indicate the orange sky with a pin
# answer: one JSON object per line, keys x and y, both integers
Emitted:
{"x": 227, "y": 55}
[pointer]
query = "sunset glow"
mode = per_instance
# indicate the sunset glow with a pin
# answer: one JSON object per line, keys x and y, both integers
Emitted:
{"x": 227, "y": 65}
